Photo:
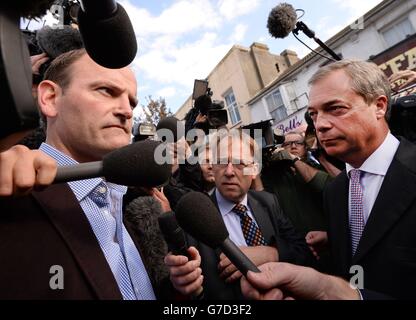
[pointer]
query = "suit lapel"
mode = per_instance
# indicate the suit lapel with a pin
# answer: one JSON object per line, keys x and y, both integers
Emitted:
{"x": 65, "y": 213}
{"x": 339, "y": 221}
{"x": 399, "y": 181}
{"x": 261, "y": 215}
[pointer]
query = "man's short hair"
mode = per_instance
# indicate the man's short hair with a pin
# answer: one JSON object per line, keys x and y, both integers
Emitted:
{"x": 58, "y": 71}
{"x": 367, "y": 80}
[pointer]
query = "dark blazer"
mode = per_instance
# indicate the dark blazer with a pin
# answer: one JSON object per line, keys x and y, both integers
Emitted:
{"x": 49, "y": 228}
{"x": 387, "y": 250}
{"x": 277, "y": 231}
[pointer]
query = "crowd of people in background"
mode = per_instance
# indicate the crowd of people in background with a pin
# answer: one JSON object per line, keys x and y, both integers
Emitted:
{"x": 338, "y": 196}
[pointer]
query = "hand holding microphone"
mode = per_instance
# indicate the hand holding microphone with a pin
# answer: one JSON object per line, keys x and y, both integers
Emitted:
{"x": 132, "y": 165}
{"x": 22, "y": 169}
{"x": 199, "y": 217}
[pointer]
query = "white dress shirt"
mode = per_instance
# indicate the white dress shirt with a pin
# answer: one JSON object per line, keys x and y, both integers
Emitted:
{"x": 374, "y": 170}
{"x": 231, "y": 219}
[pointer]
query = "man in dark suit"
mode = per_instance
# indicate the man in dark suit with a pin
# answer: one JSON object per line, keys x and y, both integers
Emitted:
{"x": 253, "y": 219}
{"x": 71, "y": 241}
{"x": 371, "y": 205}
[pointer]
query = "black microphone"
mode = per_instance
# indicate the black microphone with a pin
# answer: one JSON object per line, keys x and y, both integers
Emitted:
{"x": 173, "y": 234}
{"x": 198, "y": 216}
{"x": 107, "y": 33}
{"x": 132, "y": 165}
{"x": 173, "y": 125}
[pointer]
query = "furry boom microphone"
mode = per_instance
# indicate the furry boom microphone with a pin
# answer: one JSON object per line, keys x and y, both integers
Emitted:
{"x": 282, "y": 20}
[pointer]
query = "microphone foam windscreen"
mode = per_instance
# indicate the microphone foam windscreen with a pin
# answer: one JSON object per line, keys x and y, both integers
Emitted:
{"x": 282, "y": 20}
{"x": 171, "y": 124}
{"x": 56, "y": 41}
{"x": 109, "y": 42}
{"x": 198, "y": 216}
{"x": 135, "y": 165}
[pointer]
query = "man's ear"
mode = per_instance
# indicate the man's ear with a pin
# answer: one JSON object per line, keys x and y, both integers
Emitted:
{"x": 381, "y": 105}
{"x": 48, "y": 93}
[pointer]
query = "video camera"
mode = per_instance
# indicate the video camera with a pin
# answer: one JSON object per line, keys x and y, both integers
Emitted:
{"x": 215, "y": 112}
{"x": 270, "y": 138}
{"x": 143, "y": 131}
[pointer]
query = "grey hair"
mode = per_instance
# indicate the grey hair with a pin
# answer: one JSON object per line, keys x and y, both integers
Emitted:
{"x": 367, "y": 80}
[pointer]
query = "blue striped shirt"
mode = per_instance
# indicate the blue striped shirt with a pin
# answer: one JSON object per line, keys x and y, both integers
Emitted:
{"x": 106, "y": 222}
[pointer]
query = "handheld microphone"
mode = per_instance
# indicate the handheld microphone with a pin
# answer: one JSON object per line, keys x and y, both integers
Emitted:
{"x": 132, "y": 165}
{"x": 172, "y": 125}
{"x": 198, "y": 216}
{"x": 173, "y": 234}
{"x": 107, "y": 33}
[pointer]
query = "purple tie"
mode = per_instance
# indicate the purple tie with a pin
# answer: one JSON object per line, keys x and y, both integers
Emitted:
{"x": 357, "y": 222}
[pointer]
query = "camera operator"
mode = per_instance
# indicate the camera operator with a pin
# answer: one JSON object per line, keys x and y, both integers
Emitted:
{"x": 298, "y": 182}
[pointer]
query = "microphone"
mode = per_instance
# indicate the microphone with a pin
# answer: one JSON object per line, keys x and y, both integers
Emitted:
{"x": 107, "y": 33}
{"x": 132, "y": 165}
{"x": 55, "y": 41}
{"x": 173, "y": 234}
{"x": 173, "y": 125}
{"x": 142, "y": 213}
{"x": 198, "y": 216}
{"x": 282, "y": 20}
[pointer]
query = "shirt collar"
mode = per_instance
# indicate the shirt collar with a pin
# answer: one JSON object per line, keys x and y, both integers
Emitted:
{"x": 379, "y": 162}
{"x": 226, "y": 206}
{"x": 81, "y": 188}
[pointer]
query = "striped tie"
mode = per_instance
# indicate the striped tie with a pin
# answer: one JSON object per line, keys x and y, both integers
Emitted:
{"x": 357, "y": 222}
{"x": 251, "y": 231}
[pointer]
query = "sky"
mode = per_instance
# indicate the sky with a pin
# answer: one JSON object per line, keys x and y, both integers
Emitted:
{"x": 183, "y": 40}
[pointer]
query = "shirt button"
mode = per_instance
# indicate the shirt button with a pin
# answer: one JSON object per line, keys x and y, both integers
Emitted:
{"x": 102, "y": 190}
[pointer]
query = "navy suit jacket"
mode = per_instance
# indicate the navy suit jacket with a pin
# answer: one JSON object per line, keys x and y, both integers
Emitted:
{"x": 387, "y": 249}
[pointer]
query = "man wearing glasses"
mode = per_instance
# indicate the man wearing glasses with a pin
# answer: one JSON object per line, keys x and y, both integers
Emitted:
{"x": 254, "y": 221}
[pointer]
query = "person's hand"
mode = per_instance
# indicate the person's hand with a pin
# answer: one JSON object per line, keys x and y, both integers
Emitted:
{"x": 258, "y": 255}
{"x": 200, "y": 118}
{"x": 284, "y": 281}
{"x": 186, "y": 275}
{"x": 22, "y": 169}
{"x": 36, "y": 62}
{"x": 406, "y": 78}
{"x": 316, "y": 240}
{"x": 160, "y": 196}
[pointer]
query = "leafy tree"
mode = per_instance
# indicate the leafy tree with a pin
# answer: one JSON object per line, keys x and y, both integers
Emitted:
{"x": 157, "y": 110}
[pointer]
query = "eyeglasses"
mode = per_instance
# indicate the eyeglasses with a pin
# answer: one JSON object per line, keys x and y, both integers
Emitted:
{"x": 237, "y": 163}
{"x": 289, "y": 143}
